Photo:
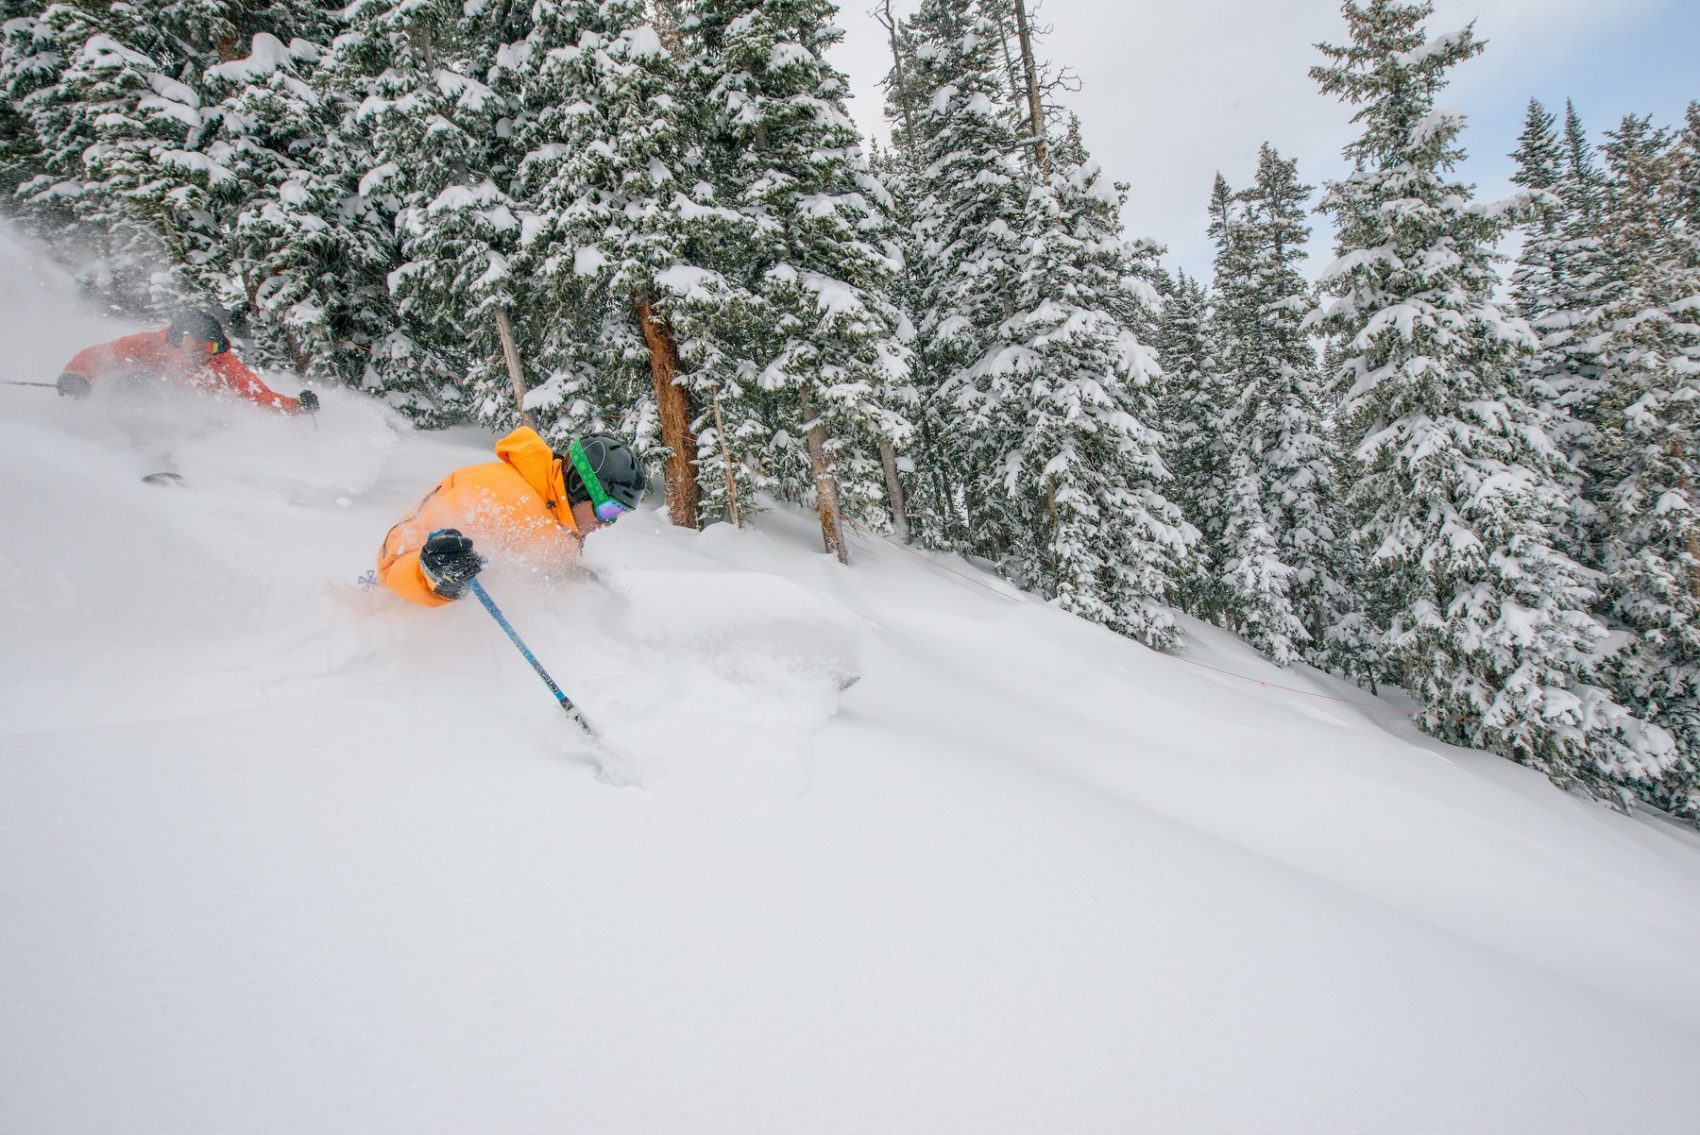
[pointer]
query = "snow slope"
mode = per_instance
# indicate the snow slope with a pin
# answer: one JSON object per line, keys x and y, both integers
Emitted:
{"x": 281, "y": 854}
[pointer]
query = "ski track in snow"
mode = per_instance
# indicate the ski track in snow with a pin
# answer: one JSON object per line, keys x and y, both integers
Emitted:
{"x": 282, "y": 854}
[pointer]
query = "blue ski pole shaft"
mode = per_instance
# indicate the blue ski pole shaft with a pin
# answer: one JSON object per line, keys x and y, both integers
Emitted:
{"x": 566, "y": 703}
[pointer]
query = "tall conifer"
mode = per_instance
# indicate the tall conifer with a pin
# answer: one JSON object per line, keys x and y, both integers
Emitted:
{"x": 1457, "y": 489}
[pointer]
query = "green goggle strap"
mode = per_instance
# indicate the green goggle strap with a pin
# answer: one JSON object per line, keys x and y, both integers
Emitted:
{"x": 598, "y": 495}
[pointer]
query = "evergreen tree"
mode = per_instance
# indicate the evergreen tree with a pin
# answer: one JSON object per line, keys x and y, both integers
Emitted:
{"x": 1555, "y": 284}
{"x": 1105, "y": 541}
{"x": 1456, "y": 489}
{"x": 106, "y": 125}
{"x": 590, "y": 199}
{"x": 28, "y": 65}
{"x": 294, "y": 250}
{"x": 817, "y": 266}
{"x": 971, "y": 231}
{"x": 1219, "y": 468}
{"x": 403, "y": 75}
{"x": 1189, "y": 412}
{"x": 1539, "y": 159}
{"x": 1277, "y": 419}
{"x": 1649, "y": 424}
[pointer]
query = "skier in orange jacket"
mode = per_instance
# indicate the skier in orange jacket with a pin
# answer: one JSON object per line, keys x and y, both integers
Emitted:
{"x": 533, "y": 503}
{"x": 192, "y": 351}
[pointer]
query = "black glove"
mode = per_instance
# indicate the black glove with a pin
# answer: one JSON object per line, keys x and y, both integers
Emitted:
{"x": 73, "y": 386}
{"x": 448, "y": 561}
{"x": 309, "y": 401}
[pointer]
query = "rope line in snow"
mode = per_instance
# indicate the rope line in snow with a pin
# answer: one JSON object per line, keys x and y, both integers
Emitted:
{"x": 1291, "y": 689}
{"x": 930, "y": 562}
{"x": 1265, "y": 683}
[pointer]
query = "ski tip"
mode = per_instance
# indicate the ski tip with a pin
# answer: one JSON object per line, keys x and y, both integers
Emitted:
{"x": 163, "y": 479}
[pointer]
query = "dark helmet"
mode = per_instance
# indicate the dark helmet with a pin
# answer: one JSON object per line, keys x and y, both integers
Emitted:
{"x": 611, "y": 463}
{"x": 197, "y": 325}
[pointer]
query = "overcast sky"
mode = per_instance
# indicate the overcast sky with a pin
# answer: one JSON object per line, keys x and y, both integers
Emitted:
{"x": 1172, "y": 91}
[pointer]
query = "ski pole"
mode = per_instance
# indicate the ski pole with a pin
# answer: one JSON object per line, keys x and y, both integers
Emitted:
{"x": 566, "y": 703}
{"x": 49, "y": 385}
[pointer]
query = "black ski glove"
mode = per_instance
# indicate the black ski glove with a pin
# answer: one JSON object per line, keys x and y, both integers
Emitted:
{"x": 73, "y": 386}
{"x": 448, "y": 561}
{"x": 309, "y": 402}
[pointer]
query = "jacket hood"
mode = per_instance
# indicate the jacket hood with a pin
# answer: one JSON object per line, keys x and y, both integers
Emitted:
{"x": 530, "y": 457}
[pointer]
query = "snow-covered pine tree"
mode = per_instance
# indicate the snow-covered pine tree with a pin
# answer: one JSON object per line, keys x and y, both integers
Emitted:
{"x": 819, "y": 331}
{"x": 931, "y": 501}
{"x": 1581, "y": 271}
{"x": 1648, "y": 453}
{"x": 402, "y": 74}
{"x": 1251, "y": 582}
{"x": 110, "y": 113}
{"x": 29, "y": 64}
{"x": 128, "y": 139}
{"x": 1216, "y": 466}
{"x": 1188, "y": 413}
{"x": 1135, "y": 296}
{"x": 971, "y": 229}
{"x": 1107, "y": 543}
{"x": 297, "y": 255}
{"x": 890, "y": 230}
{"x": 620, "y": 224}
{"x": 1540, "y": 158}
{"x": 1456, "y": 490}
{"x": 1281, "y": 416}
{"x": 1552, "y": 282}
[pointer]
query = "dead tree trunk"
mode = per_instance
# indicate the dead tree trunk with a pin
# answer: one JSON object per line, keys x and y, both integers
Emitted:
{"x": 673, "y": 405}
{"x": 889, "y": 22}
{"x": 516, "y": 370}
{"x": 1035, "y": 111}
{"x": 826, "y": 486}
{"x": 894, "y": 491}
{"x": 726, "y": 455}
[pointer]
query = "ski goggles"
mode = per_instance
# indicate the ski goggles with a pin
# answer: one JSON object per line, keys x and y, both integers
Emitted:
{"x": 607, "y": 508}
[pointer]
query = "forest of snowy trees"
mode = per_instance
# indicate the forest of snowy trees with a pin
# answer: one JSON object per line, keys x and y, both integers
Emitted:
{"x": 1423, "y": 466}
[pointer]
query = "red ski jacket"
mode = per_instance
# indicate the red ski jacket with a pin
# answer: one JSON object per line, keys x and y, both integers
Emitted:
{"x": 147, "y": 353}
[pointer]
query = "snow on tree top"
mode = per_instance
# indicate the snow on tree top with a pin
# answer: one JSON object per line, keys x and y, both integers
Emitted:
{"x": 642, "y": 42}
{"x": 266, "y": 55}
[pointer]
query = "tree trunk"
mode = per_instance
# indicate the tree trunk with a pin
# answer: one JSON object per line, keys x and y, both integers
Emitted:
{"x": 1009, "y": 73}
{"x": 1034, "y": 111}
{"x": 731, "y": 466}
{"x": 516, "y": 371}
{"x": 826, "y": 487}
{"x": 889, "y": 22}
{"x": 894, "y": 491}
{"x": 684, "y": 502}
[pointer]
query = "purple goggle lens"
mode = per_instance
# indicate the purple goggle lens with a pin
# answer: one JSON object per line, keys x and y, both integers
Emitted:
{"x": 609, "y": 511}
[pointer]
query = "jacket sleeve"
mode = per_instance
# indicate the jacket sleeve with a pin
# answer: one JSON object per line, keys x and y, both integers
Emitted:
{"x": 398, "y": 559}
{"x": 114, "y": 359}
{"x": 228, "y": 372}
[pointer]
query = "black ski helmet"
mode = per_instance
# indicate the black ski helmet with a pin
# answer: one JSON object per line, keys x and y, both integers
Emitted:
{"x": 613, "y": 464}
{"x": 197, "y": 325}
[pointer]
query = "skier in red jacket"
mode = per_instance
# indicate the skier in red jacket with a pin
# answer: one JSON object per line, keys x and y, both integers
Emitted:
{"x": 193, "y": 351}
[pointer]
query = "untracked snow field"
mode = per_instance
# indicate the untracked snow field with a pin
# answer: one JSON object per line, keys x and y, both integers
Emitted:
{"x": 281, "y": 854}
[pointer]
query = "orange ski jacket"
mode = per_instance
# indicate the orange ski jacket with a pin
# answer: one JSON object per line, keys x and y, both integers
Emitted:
{"x": 517, "y": 505}
{"x": 147, "y": 353}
